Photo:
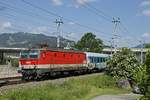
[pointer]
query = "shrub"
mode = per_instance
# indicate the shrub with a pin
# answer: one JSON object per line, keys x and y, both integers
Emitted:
{"x": 146, "y": 84}
{"x": 122, "y": 64}
{"x": 15, "y": 62}
{"x": 140, "y": 77}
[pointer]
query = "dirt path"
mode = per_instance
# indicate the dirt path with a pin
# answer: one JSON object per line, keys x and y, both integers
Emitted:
{"x": 130, "y": 96}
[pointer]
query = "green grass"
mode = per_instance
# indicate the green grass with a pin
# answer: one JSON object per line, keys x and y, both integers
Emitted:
{"x": 73, "y": 89}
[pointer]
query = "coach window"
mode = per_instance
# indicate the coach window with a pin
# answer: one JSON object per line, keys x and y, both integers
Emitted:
{"x": 103, "y": 59}
{"x": 92, "y": 59}
{"x": 97, "y": 59}
{"x": 100, "y": 59}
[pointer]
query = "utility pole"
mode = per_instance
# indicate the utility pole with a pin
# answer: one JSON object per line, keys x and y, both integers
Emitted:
{"x": 58, "y": 23}
{"x": 111, "y": 44}
{"x": 115, "y": 21}
{"x": 141, "y": 43}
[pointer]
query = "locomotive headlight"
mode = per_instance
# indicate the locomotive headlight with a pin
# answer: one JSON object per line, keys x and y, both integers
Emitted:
{"x": 84, "y": 61}
{"x": 28, "y": 62}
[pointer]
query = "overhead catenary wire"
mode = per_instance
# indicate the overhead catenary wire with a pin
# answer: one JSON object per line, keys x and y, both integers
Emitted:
{"x": 22, "y": 14}
{"x": 98, "y": 12}
{"x": 23, "y": 11}
{"x": 19, "y": 27}
{"x": 15, "y": 9}
{"x": 105, "y": 16}
{"x": 61, "y": 17}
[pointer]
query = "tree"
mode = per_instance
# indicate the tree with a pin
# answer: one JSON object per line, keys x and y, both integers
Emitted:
{"x": 146, "y": 84}
{"x": 140, "y": 78}
{"x": 122, "y": 65}
{"x": 147, "y": 45}
{"x": 90, "y": 43}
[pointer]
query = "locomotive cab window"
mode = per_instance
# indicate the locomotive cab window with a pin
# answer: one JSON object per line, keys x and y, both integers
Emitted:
{"x": 29, "y": 54}
{"x": 34, "y": 54}
{"x": 24, "y": 54}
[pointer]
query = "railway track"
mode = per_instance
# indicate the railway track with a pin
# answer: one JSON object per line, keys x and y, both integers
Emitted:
{"x": 10, "y": 81}
{"x": 18, "y": 79}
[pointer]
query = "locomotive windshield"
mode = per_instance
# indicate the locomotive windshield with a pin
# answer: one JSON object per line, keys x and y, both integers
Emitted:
{"x": 30, "y": 54}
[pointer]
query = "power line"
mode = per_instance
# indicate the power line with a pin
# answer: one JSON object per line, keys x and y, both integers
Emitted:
{"x": 35, "y": 15}
{"x": 126, "y": 31}
{"x": 24, "y": 20}
{"x": 18, "y": 28}
{"x": 103, "y": 15}
{"x": 44, "y": 10}
{"x": 67, "y": 19}
{"x": 15, "y": 10}
{"x": 98, "y": 12}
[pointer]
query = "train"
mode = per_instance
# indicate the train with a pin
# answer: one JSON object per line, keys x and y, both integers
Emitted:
{"x": 36, "y": 63}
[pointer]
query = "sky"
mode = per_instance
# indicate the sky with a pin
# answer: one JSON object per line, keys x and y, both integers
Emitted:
{"x": 79, "y": 17}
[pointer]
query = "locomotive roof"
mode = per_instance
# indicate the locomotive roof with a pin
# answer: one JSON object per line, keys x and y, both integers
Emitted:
{"x": 56, "y": 49}
{"x": 96, "y": 54}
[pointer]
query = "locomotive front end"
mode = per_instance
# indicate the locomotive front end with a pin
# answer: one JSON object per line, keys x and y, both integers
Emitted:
{"x": 28, "y": 62}
{"x": 28, "y": 59}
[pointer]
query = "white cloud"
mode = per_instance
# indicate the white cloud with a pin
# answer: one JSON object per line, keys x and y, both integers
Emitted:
{"x": 5, "y": 25}
{"x": 41, "y": 29}
{"x": 71, "y": 23}
{"x": 57, "y": 2}
{"x": 146, "y": 34}
{"x": 145, "y": 3}
{"x": 82, "y": 2}
{"x": 146, "y": 12}
{"x": 73, "y": 36}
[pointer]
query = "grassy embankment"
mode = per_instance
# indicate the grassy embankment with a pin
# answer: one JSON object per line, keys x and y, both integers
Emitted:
{"x": 73, "y": 89}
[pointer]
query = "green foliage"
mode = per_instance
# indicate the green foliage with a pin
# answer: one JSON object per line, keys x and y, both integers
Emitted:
{"x": 73, "y": 89}
{"x": 15, "y": 62}
{"x": 147, "y": 45}
{"x": 143, "y": 98}
{"x": 140, "y": 77}
{"x": 122, "y": 64}
{"x": 147, "y": 83}
{"x": 89, "y": 42}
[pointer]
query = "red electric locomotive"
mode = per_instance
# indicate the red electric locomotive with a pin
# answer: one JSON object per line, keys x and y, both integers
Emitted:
{"x": 39, "y": 62}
